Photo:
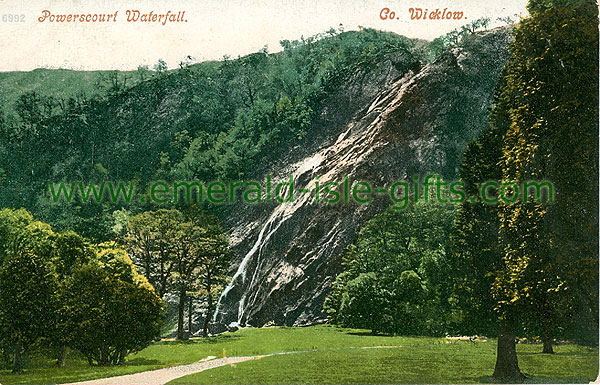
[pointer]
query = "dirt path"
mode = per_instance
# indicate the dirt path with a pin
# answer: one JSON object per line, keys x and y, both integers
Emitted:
{"x": 162, "y": 376}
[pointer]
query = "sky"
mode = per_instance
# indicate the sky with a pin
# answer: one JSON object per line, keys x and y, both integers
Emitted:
{"x": 210, "y": 30}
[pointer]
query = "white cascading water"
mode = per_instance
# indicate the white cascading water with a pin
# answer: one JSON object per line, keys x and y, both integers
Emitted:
{"x": 279, "y": 216}
{"x": 281, "y": 213}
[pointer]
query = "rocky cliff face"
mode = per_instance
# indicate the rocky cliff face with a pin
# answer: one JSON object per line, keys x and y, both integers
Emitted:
{"x": 382, "y": 126}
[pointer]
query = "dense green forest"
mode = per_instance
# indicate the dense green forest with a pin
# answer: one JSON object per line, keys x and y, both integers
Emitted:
{"x": 508, "y": 271}
{"x": 225, "y": 118}
{"x": 396, "y": 275}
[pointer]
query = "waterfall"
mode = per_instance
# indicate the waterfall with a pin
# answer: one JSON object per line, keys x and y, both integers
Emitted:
{"x": 256, "y": 249}
{"x": 281, "y": 213}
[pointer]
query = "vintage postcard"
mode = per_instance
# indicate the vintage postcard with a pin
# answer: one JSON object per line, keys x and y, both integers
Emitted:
{"x": 299, "y": 192}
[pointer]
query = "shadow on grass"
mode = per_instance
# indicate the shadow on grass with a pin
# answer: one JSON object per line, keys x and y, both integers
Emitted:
{"x": 209, "y": 340}
{"x": 530, "y": 379}
{"x": 485, "y": 380}
{"x": 142, "y": 362}
{"x": 557, "y": 354}
{"x": 491, "y": 380}
{"x": 556, "y": 380}
{"x": 367, "y": 333}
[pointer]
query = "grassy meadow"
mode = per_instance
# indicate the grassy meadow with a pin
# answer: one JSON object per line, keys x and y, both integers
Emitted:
{"x": 325, "y": 354}
{"x": 459, "y": 362}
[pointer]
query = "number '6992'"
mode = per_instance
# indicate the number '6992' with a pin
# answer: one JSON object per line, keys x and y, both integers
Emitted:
{"x": 13, "y": 18}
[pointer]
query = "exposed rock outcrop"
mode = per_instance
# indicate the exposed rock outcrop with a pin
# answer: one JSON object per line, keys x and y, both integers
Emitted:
{"x": 381, "y": 127}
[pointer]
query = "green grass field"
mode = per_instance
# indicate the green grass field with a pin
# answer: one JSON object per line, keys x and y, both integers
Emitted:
{"x": 458, "y": 362}
{"x": 324, "y": 354}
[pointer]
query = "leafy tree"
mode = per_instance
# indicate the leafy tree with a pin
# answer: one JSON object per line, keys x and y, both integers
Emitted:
{"x": 180, "y": 252}
{"x": 366, "y": 304}
{"x": 11, "y": 223}
{"x": 111, "y": 310}
{"x": 400, "y": 260}
{"x": 70, "y": 251}
{"x": 58, "y": 289}
{"x": 477, "y": 252}
{"x": 455, "y": 38}
{"x": 113, "y": 83}
{"x": 28, "y": 301}
{"x": 151, "y": 242}
{"x": 542, "y": 259}
{"x": 202, "y": 260}
{"x": 143, "y": 72}
{"x": 549, "y": 255}
{"x": 36, "y": 237}
{"x": 161, "y": 66}
{"x": 213, "y": 266}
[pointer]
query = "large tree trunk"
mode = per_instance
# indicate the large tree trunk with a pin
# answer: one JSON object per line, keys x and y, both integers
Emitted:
{"x": 60, "y": 359}
{"x": 209, "y": 306}
{"x": 190, "y": 310}
{"x": 18, "y": 368}
{"x": 180, "y": 315}
{"x": 122, "y": 355}
{"x": 162, "y": 290}
{"x": 547, "y": 341}
{"x": 507, "y": 365}
{"x": 104, "y": 356}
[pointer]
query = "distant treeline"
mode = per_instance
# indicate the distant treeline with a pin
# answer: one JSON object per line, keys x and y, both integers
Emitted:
{"x": 213, "y": 120}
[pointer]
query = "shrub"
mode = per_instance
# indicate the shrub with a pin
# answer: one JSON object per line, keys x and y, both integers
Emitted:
{"x": 111, "y": 311}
